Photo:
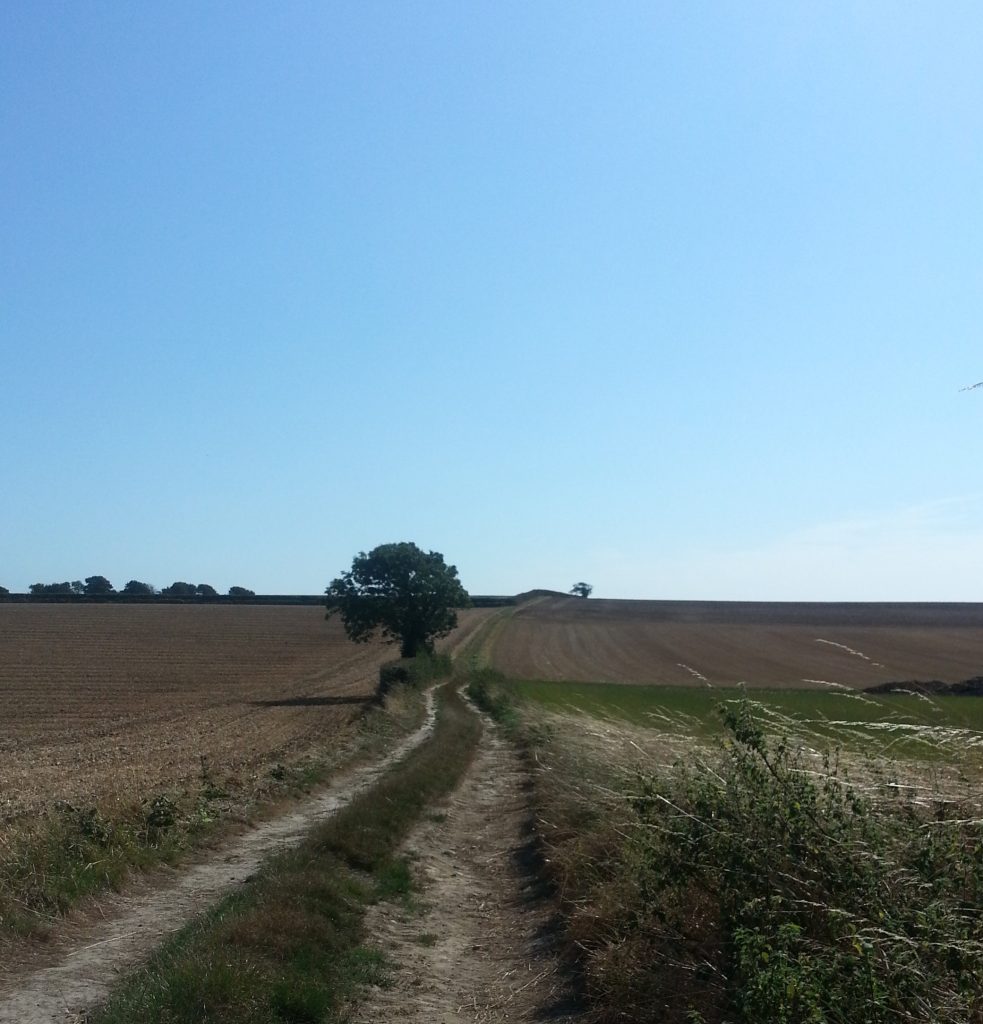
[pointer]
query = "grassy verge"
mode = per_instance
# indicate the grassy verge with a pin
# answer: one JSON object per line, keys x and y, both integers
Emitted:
{"x": 72, "y": 852}
{"x": 288, "y": 947}
{"x": 755, "y": 880}
{"x": 904, "y": 725}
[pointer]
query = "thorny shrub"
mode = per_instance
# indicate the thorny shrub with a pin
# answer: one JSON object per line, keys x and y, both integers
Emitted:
{"x": 766, "y": 888}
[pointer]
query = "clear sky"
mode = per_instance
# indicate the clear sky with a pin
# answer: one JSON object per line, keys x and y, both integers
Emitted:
{"x": 673, "y": 298}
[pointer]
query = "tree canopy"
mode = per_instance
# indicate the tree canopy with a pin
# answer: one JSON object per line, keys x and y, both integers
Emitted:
{"x": 95, "y": 585}
{"x": 138, "y": 588}
{"x": 180, "y": 589}
{"x": 581, "y": 589}
{"x": 54, "y": 589}
{"x": 405, "y": 594}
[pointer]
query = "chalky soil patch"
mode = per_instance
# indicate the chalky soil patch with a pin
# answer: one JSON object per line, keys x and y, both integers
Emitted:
{"x": 476, "y": 943}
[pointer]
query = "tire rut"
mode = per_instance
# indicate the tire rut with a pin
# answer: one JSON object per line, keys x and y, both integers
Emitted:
{"x": 481, "y": 949}
{"x": 80, "y": 970}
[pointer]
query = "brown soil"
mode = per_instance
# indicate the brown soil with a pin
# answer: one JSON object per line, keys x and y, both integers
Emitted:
{"x": 105, "y": 703}
{"x": 86, "y": 952}
{"x": 687, "y": 643}
{"x": 480, "y": 949}
{"x": 86, "y": 955}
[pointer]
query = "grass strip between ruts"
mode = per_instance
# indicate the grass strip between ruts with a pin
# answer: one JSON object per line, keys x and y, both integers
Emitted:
{"x": 287, "y": 946}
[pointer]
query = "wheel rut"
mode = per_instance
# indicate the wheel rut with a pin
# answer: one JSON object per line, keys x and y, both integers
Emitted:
{"x": 478, "y": 944}
{"x": 78, "y": 970}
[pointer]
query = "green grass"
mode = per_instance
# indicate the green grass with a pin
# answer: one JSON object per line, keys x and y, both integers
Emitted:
{"x": 289, "y": 947}
{"x": 759, "y": 879}
{"x": 895, "y": 724}
{"x": 764, "y": 889}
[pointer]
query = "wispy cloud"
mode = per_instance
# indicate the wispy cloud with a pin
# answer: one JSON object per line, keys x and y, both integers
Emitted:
{"x": 932, "y": 551}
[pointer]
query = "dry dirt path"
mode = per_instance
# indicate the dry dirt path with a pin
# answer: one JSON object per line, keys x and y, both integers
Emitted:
{"x": 83, "y": 963}
{"x": 481, "y": 948}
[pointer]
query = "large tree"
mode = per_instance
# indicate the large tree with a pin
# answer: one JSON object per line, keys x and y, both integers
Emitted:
{"x": 406, "y": 594}
{"x": 98, "y": 585}
{"x": 138, "y": 588}
{"x": 180, "y": 589}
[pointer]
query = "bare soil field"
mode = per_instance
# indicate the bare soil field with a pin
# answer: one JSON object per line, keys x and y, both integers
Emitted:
{"x": 113, "y": 702}
{"x": 703, "y": 643}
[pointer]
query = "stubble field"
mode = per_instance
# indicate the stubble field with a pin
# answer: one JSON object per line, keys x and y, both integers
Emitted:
{"x": 113, "y": 702}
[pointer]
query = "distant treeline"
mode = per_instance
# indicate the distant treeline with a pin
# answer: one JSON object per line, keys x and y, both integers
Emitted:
{"x": 99, "y": 590}
{"x": 100, "y": 587}
{"x": 159, "y": 598}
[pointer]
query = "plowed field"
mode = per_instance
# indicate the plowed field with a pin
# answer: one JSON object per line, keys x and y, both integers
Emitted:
{"x": 697, "y": 643}
{"x": 105, "y": 701}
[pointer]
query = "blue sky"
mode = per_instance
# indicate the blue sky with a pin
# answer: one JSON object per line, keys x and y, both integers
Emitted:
{"x": 673, "y": 298}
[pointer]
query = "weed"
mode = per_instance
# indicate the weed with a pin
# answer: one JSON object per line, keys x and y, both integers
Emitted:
{"x": 71, "y": 852}
{"x": 289, "y": 947}
{"x": 765, "y": 884}
{"x": 486, "y": 688}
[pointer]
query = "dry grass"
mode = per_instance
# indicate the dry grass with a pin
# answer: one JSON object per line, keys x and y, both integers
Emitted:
{"x": 286, "y": 948}
{"x": 133, "y": 732}
{"x": 757, "y": 881}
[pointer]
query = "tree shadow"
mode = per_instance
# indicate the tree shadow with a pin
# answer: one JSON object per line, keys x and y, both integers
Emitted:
{"x": 310, "y": 702}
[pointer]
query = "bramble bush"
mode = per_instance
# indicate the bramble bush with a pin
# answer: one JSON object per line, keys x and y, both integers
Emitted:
{"x": 767, "y": 887}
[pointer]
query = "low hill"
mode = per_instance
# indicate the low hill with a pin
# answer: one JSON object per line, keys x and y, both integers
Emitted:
{"x": 723, "y": 643}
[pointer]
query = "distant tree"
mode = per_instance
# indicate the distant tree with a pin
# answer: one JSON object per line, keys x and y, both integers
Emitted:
{"x": 134, "y": 588}
{"x": 180, "y": 589}
{"x": 77, "y": 587}
{"x": 55, "y": 589}
{"x": 96, "y": 585}
{"x": 241, "y": 592}
{"x": 4, "y": 590}
{"x": 406, "y": 594}
{"x": 581, "y": 590}
{"x": 206, "y": 590}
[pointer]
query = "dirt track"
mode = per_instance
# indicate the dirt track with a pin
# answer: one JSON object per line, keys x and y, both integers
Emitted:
{"x": 480, "y": 951}
{"x": 86, "y": 954}
{"x": 82, "y": 963}
{"x": 686, "y": 643}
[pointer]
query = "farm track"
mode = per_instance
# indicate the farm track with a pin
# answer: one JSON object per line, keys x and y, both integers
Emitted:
{"x": 84, "y": 956}
{"x": 481, "y": 949}
{"x": 81, "y": 966}
{"x": 692, "y": 643}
